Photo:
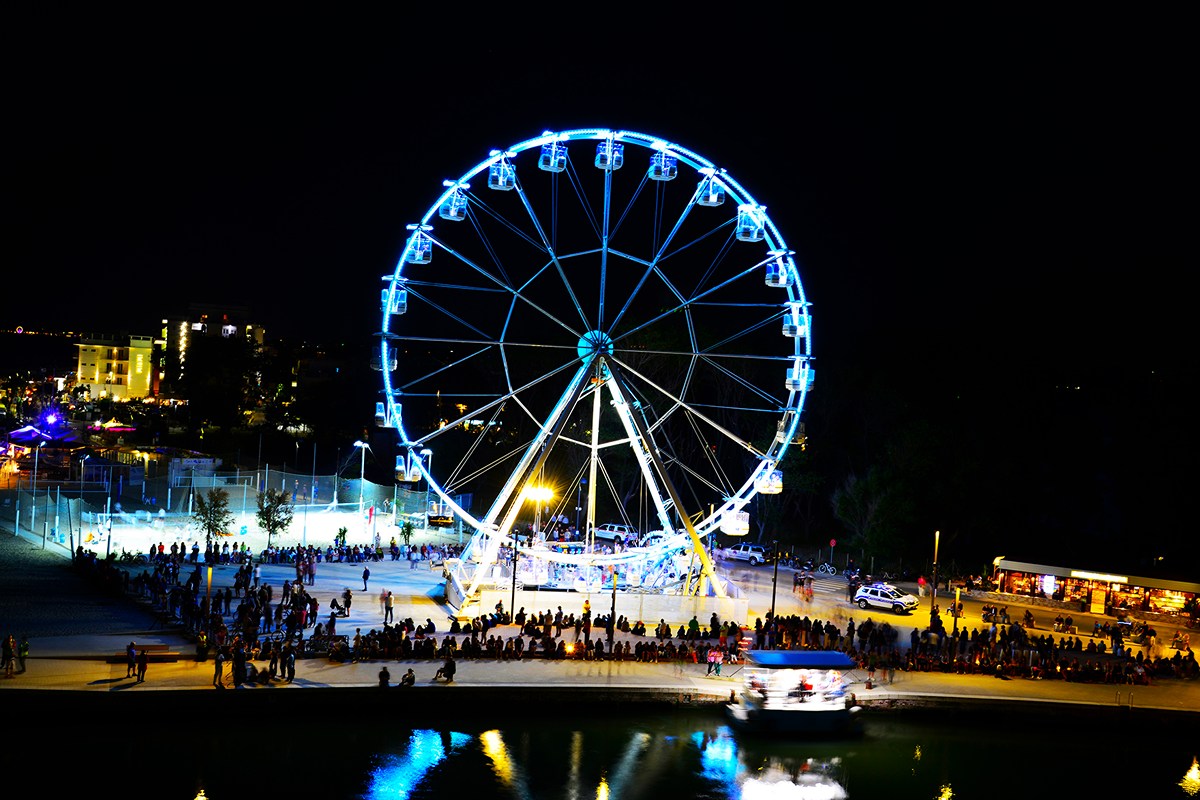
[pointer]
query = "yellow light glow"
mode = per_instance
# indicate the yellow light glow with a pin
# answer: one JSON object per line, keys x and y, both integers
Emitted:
{"x": 602, "y": 789}
{"x": 945, "y": 794}
{"x": 1099, "y": 576}
{"x": 495, "y": 749}
{"x": 1191, "y": 780}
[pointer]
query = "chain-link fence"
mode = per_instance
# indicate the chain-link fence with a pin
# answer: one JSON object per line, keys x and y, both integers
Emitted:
{"x": 117, "y": 516}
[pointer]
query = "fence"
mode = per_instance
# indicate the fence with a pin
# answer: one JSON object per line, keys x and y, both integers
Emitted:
{"x": 115, "y": 516}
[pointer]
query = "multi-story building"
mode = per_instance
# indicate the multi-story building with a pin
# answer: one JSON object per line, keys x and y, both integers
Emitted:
{"x": 178, "y": 333}
{"x": 117, "y": 367}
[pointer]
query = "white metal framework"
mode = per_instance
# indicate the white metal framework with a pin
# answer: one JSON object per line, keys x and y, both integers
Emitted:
{"x": 608, "y": 316}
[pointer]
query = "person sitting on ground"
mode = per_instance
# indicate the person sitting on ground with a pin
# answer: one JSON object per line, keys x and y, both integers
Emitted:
{"x": 447, "y": 670}
{"x": 408, "y": 679}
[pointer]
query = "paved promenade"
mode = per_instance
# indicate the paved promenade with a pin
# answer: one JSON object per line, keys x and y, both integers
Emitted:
{"x": 72, "y": 632}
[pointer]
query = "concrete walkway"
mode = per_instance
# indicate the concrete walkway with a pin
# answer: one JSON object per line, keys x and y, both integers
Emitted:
{"x": 76, "y": 662}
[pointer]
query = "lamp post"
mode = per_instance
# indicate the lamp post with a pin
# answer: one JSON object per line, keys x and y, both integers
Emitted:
{"x": 362, "y": 476}
{"x": 579, "y": 501}
{"x": 774, "y": 579}
{"x": 427, "y": 454}
{"x": 33, "y": 510}
{"x": 512, "y": 607}
{"x": 82, "y": 461}
{"x": 612, "y": 613}
{"x": 539, "y": 495}
{"x": 937, "y": 535}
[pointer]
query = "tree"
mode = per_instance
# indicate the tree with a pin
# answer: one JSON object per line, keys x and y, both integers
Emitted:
{"x": 211, "y": 514}
{"x": 869, "y": 510}
{"x": 274, "y": 512}
{"x": 406, "y": 531}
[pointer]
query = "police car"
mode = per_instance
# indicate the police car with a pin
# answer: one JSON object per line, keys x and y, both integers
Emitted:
{"x": 884, "y": 595}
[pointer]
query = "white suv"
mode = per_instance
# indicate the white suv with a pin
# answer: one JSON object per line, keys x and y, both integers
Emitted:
{"x": 613, "y": 531}
{"x": 754, "y": 553}
{"x": 884, "y": 595}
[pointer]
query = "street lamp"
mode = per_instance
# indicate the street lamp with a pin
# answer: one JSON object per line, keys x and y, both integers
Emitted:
{"x": 937, "y": 535}
{"x": 579, "y": 501}
{"x": 82, "y": 461}
{"x": 362, "y": 477}
{"x": 512, "y": 607}
{"x": 33, "y": 511}
{"x": 539, "y": 495}
{"x": 427, "y": 455}
{"x": 774, "y": 579}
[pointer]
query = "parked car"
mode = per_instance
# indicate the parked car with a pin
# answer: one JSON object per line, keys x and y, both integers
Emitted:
{"x": 884, "y": 595}
{"x": 615, "y": 531}
{"x": 755, "y": 554}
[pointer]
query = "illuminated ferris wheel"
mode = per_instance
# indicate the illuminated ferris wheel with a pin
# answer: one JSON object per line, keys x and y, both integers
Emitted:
{"x": 605, "y": 317}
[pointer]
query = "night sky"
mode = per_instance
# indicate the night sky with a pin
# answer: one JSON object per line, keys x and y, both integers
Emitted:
{"x": 978, "y": 206}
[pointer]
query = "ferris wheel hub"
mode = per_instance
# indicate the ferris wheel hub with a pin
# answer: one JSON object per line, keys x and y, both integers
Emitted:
{"x": 594, "y": 344}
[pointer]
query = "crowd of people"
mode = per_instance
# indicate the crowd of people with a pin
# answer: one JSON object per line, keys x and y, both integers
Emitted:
{"x": 260, "y": 628}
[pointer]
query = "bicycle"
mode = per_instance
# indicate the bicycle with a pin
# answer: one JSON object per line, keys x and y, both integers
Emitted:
{"x": 127, "y": 557}
{"x": 827, "y": 569}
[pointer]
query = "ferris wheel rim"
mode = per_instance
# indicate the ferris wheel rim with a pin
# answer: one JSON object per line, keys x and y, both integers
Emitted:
{"x": 698, "y": 163}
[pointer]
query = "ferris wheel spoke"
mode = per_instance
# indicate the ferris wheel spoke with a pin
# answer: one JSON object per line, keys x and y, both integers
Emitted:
{"x": 610, "y": 326}
{"x": 683, "y": 302}
{"x": 678, "y": 402}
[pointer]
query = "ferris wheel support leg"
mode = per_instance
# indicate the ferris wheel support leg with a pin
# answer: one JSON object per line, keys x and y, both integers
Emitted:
{"x": 706, "y": 565}
{"x": 531, "y": 463}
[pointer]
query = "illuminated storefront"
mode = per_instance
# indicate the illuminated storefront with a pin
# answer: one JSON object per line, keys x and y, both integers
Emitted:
{"x": 1098, "y": 592}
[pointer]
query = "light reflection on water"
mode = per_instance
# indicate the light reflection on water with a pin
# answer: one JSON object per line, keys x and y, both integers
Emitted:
{"x": 697, "y": 756}
{"x": 725, "y": 767}
{"x": 562, "y": 753}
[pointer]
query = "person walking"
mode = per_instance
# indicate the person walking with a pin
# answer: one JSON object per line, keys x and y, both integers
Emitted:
{"x": 143, "y": 661}
{"x": 130, "y": 660}
{"x": 23, "y": 651}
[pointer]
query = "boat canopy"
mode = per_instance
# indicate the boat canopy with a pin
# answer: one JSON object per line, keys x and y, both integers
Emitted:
{"x": 799, "y": 659}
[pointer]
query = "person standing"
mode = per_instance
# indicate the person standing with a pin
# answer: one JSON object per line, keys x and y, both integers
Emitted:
{"x": 388, "y": 608}
{"x": 366, "y": 575}
{"x": 130, "y": 660}
{"x": 219, "y": 669}
{"x": 9, "y": 650}
{"x": 143, "y": 661}
{"x": 289, "y": 662}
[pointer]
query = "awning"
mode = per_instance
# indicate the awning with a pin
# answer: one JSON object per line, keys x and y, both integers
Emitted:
{"x": 799, "y": 659}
